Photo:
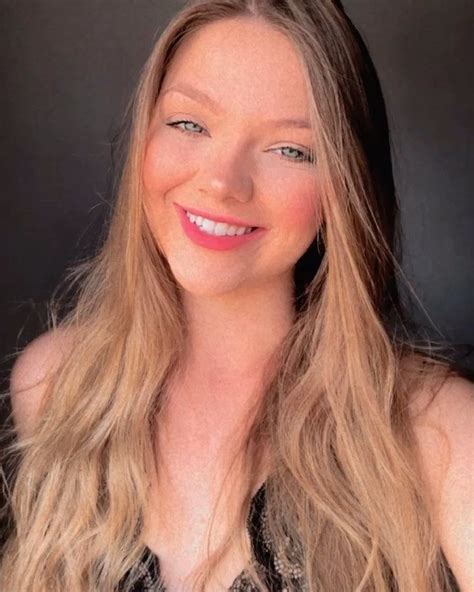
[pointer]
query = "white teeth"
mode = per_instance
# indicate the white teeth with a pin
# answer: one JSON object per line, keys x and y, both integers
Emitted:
{"x": 217, "y": 228}
{"x": 208, "y": 226}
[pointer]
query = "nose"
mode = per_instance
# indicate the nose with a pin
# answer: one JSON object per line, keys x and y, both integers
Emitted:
{"x": 225, "y": 173}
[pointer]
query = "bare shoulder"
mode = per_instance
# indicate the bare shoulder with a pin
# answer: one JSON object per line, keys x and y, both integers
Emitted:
{"x": 30, "y": 373}
{"x": 445, "y": 417}
{"x": 444, "y": 431}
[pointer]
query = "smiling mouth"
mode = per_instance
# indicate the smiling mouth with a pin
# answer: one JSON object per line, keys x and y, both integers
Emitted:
{"x": 213, "y": 228}
{"x": 216, "y": 218}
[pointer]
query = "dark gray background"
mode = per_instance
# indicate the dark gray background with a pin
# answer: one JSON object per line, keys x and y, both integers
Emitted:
{"x": 68, "y": 70}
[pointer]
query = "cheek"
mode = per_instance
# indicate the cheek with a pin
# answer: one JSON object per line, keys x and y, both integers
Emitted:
{"x": 159, "y": 175}
{"x": 157, "y": 169}
{"x": 297, "y": 201}
{"x": 163, "y": 168}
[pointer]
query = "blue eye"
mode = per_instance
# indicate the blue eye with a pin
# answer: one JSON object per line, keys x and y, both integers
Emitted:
{"x": 186, "y": 131}
{"x": 298, "y": 155}
{"x": 304, "y": 156}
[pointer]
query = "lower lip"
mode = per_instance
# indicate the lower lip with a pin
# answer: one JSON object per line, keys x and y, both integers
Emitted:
{"x": 210, "y": 241}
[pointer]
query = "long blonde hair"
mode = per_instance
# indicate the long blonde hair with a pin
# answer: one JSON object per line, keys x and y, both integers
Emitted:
{"x": 345, "y": 489}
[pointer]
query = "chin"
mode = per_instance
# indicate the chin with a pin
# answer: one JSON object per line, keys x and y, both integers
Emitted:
{"x": 205, "y": 284}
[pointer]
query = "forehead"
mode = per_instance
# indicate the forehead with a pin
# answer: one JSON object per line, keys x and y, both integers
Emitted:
{"x": 243, "y": 63}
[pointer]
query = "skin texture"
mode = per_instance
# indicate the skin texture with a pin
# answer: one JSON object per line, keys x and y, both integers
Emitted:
{"x": 445, "y": 446}
{"x": 238, "y": 303}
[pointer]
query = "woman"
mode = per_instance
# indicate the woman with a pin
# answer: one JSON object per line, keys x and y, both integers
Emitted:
{"x": 230, "y": 403}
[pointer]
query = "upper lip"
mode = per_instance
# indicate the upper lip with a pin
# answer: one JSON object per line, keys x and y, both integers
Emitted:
{"x": 217, "y": 218}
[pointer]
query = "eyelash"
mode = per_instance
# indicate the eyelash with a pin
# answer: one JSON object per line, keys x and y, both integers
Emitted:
{"x": 306, "y": 157}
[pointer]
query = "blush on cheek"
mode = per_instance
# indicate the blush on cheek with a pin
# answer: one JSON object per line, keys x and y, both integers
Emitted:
{"x": 161, "y": 170}
{"x": 302, "y": 208}
{"x": 304, "y": 212}
{"x": 157, "y": 169}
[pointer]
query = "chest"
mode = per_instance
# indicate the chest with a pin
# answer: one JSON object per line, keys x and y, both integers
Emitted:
{"x": 187, "y": 511}
{"x": 178, "y": 524}
{"x": 183, "y": 505}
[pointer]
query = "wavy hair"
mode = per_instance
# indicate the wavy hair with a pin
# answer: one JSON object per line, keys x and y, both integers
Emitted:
{"x": 345, "y": 486}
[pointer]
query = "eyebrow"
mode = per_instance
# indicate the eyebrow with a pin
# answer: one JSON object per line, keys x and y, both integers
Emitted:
{"x": 201, "y": 96}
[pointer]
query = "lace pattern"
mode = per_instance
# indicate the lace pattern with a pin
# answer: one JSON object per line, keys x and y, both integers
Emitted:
{"x": 267, "y": 557}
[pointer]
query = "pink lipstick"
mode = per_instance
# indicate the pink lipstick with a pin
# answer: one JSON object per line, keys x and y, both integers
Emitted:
{"x": 211, "y": 241}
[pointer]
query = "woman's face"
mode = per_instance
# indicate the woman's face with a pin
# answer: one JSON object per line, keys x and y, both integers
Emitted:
{"x": 232, "y": 81}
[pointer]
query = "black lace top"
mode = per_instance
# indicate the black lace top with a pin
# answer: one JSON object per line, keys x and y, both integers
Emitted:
{"x": 265, "y": 559}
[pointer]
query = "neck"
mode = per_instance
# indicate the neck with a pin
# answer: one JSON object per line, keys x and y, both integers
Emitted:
{"x": 230, "y": 343}
{"x": 231, "y": 337}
